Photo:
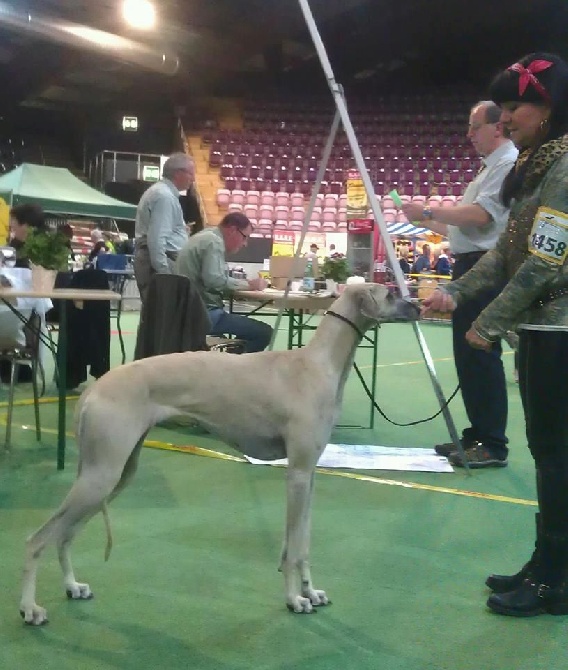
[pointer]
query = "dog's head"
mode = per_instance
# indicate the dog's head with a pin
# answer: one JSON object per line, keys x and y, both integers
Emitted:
{"x": 376, "y": 304}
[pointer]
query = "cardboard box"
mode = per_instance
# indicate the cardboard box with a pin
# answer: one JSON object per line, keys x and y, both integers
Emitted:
{"x": 283, "y": 268}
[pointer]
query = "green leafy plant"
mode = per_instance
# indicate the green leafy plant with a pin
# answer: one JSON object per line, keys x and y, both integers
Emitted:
{"x": 336, "y": 267}
{"x": 47, "y": 248}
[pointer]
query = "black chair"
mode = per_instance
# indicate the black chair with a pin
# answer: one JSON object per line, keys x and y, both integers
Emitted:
{"x": 174, "y": 319}
{"x": 88, "y": 327}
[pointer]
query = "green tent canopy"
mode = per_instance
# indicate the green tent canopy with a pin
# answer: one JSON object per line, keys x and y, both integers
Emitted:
{"x": 58, "y": 191}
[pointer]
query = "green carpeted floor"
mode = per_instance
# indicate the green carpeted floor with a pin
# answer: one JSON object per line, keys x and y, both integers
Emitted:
{"x": 192, "y": 581}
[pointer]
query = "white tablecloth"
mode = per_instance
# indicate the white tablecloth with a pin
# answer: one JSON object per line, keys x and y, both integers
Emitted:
{"x": 11, "y": 327}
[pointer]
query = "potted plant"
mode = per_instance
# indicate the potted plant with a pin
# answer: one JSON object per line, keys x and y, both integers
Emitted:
{"x": 335, "y": 269}
{"x": 48, "y": 252}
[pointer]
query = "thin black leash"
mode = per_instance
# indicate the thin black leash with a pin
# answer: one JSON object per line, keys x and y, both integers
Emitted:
{"x": 368, "y": 391}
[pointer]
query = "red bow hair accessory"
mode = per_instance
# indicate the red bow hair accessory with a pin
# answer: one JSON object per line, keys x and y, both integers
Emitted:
{"x": 527, "y": 76}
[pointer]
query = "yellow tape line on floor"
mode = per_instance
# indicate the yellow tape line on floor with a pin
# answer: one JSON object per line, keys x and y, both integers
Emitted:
{"x": 210, "y": 453}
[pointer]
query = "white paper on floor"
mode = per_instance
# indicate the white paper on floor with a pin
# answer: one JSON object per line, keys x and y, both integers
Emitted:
{"x": 371, "y": 457}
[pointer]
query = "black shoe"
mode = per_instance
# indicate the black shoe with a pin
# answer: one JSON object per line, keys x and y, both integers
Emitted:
{"x": 478, "y": 456}
{"x": 530, "y": 599}
{"x": 448, "y": 448}
{"x": 508, "y": 583}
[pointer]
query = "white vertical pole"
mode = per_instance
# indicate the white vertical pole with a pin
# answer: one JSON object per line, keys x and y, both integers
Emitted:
{"x": 379, "y": 219}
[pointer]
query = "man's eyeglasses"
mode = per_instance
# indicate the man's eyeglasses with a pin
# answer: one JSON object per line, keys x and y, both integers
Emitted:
{"x": 244, "y": 235}
{"x": 474, "y": 127}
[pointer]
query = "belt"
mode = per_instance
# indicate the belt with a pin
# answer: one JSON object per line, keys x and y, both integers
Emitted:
{"x": 470, "y": 254}
{"x": 550, "y": 296}
{"x": 142, "y": 244}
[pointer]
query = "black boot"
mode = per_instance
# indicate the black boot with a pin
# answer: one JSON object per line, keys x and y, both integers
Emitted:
{"x": 507, "y": 583}
{"x": 546, "y": 591}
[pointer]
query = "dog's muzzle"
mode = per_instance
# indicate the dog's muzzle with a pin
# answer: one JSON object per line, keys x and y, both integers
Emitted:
{"x": 407, "y": 310}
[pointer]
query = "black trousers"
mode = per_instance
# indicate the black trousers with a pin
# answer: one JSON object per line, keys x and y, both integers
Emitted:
{"x": 480, "y": 373}
{"x": 543, "y": 383}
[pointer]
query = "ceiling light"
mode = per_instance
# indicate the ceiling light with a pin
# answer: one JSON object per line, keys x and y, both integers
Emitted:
{"x": 139, "y": 14}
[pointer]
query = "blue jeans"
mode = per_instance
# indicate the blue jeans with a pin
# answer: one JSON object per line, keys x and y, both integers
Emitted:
{"x": 255, "y": 334}
{"x": 480, "y": 373}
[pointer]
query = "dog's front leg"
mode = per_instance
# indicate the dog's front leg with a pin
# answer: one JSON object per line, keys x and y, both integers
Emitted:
{"x": 300, "y": 594}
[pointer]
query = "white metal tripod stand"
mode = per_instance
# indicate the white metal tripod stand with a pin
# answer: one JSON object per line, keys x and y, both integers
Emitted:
{"x": 342, "y": 115}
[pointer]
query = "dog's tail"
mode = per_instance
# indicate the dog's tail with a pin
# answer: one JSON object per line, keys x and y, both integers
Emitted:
{"x": 106, "y": 518}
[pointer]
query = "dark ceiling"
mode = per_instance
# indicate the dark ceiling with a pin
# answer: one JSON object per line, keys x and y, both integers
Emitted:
{"x": 227, "y": 47}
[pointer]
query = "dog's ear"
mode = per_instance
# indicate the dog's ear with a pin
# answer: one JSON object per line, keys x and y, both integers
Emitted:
{"x": 372, "y": 297}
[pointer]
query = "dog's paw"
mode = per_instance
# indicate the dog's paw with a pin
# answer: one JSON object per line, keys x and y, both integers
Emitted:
{"x": 77, "y": 591}
{"x": 317, "y": 598}
{"x": 300, "y": 605}
{"x": 34, "y": 615}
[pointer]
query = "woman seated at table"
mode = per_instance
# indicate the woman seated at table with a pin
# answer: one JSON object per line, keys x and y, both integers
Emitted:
{"x": 11, "y": 326}
{"x": 22, "y": 219}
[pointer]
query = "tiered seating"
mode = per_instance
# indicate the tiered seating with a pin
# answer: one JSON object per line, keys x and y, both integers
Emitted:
{"x": 270, "y": 166}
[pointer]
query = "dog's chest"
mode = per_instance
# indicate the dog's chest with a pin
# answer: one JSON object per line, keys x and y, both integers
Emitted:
{"x": 265, "y": 449}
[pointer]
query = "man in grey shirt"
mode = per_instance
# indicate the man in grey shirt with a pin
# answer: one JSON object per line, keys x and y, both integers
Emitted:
{"x": 202, "y": 259}
{"x": 473, "y": 227}
{"x": 160, "y": 230}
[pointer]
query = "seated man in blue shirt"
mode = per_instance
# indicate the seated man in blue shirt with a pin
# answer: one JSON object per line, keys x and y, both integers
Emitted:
{"x": 202, "y": 259}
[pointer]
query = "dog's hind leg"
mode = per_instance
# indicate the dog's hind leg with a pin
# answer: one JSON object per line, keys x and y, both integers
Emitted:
{"x": 74, "y": 589}
{"x": 85, "y": 499}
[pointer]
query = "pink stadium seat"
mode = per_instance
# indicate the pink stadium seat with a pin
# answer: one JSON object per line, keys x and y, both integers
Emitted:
{"x": 316, "y": 213}
{"x": 282, "y": 198}
{"x": 314, "y": 226}
{"x": 281, "y": 213}
{"x": 296, "y": 199}
{"x": 387, "y": 202}
{"x": 251, "y": 211}
{"x": 297, "y": 213}
{"x": 264, "y": 226}
{"x": 238, "y": 196}
{"x": 253, "y": 198}
{"x": 329, "y": 226}
{"x": 331, "y": 200}
{"x": 223, "y": 197}
{"x": 235, "y": 207}
{"x": 342, "y": 215}
{"x": 329, "y": 214}
{"x": 266, "y": 212}
{"x": 267, "y": 198}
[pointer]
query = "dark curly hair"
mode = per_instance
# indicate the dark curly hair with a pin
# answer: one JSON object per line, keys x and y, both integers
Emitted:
{"x": 32, "y": 215}
{"x": 554, "y": 80}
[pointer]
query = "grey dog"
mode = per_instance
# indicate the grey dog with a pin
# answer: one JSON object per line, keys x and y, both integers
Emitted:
{"x": 286, "y": 405}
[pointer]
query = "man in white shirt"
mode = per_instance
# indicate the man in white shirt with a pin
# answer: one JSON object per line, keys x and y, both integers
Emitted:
{"x": 160, "y": 230}
{"x": 472, "y": 228}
